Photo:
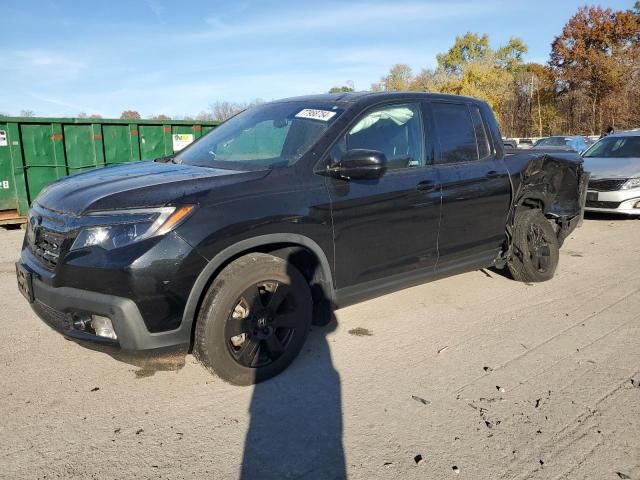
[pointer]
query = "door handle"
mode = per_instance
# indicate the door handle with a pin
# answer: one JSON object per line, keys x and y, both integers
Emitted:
{"x": 427, "y": 186}
{"x": 492, "y": 174}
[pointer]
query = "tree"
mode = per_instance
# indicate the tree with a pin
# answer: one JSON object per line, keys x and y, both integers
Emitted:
{"x": 27, "y": 113}
{"x": 344, "y": 88}
{"x": 223, "y": 110}
{"x": 469, "y": 48}
{"x": 347, "y": 87}
{"x": 398, "y": 79}
{"x": 510, "y": 57}
{"x": 162, "y": 116}
{"x": 595, "y": 57}
{"x": 204, "y": 116}
{"x": 130, "y": 115}
{"x": 592, "y": 79}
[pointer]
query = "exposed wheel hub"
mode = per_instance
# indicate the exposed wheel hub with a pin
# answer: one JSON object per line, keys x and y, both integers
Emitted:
{"x": 261, "y": 325}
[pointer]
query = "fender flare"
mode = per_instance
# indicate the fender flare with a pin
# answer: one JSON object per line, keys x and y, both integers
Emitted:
{"x": 214, "y": 265}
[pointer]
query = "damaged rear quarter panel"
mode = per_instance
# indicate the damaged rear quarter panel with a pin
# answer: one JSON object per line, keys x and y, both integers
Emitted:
{"x": 555, "y": 182}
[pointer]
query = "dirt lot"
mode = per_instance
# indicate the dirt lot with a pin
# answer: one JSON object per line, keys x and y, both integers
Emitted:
{"x": 475, "y": 376}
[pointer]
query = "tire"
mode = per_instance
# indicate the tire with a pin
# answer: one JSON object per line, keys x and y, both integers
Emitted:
{"x": 254, "y": 319}
{"x": 535, "y": 251}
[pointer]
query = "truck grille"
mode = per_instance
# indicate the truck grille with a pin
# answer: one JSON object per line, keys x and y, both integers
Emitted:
{"x": 60, "y": 321}
{"x": 606, "y": 184}
{"x": 45, "y": 244}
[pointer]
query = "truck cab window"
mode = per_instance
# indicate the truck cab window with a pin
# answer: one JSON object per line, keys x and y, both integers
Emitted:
{"x": 395, "y": 130}
{"x": 484, "y": 149}
{"x": 455, "y": 132}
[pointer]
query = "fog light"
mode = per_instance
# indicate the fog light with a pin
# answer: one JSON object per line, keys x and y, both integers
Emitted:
{"x": 103, "y": 327}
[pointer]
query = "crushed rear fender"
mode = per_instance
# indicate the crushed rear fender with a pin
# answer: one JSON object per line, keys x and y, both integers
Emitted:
{"x": 554, "y": 182}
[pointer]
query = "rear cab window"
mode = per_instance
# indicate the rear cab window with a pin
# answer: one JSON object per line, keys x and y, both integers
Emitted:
{"x": 460, "y": 133}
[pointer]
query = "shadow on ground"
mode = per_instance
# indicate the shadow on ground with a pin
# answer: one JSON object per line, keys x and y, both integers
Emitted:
{"x": 296, "y": 419}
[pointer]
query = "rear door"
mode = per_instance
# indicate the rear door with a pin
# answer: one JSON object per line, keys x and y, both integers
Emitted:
{"x": 476, "y": 190}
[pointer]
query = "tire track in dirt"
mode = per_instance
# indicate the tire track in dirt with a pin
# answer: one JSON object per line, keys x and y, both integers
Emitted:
{"x": 553, "y": 337}
{"x": 566, "y": 438}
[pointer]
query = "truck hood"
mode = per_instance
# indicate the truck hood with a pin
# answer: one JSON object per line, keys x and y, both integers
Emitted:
{"x": 141, "y": 184}
{"x": 612, "y": 167}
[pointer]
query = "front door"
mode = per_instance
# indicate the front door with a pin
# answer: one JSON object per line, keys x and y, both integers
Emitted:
{"x": 387, "y": 226}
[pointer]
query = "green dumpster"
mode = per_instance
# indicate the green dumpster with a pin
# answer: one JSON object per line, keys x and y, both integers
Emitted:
{"x": 37, "y": 151}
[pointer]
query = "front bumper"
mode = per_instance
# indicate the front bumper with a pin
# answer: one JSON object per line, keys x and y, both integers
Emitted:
{"x": 59, "y": 307}
{"x": 626, "y": 202}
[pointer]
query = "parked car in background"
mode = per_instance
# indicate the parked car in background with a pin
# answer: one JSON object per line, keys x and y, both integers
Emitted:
{"x": 574, "y": 143}
{"x": 525, "y": 143}
{"x": 232, "y": 246}
{"x": 510, "y": 143}
{"x": 614, "y": 163}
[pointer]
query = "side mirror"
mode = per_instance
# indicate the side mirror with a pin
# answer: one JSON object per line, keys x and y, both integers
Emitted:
{"x": 360, "y": 164}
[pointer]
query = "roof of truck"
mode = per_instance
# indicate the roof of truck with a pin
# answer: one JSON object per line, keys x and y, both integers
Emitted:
{"x": 354, "y": 97}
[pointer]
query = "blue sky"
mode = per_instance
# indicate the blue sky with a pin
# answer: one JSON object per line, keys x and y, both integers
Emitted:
{"x": 59, "y": 58}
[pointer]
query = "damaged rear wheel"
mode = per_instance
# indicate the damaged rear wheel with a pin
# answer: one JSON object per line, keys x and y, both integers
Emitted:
{"x": 535, "y": 252}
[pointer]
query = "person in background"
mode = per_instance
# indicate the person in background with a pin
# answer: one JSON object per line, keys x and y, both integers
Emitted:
{"x": 609, "y": 131}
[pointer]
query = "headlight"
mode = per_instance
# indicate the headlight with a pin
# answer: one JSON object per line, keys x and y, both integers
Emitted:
{"x": 631, "y": 183}
{"x": 119, "y": 228}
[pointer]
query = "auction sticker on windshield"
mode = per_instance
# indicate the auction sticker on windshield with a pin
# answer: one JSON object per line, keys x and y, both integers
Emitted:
{"x": 314, "y": 114}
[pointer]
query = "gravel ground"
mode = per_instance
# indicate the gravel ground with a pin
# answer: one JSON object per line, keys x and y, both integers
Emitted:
{"x": 474, "y": 376}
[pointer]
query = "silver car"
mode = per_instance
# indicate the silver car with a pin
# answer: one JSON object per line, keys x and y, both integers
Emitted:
{"x": 614, "y": 163}
{"x": 574, "y": 143}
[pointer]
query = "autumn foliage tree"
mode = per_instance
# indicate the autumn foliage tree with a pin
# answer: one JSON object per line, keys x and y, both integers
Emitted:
{"x": 596, "y": 57}
{"x": 592, "y": 79}
{"x": 130, "y": 115}
{"x": 470, "y": 67}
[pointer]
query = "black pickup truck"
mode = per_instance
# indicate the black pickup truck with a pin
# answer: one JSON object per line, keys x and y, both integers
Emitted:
{"x": 232, "y": 247}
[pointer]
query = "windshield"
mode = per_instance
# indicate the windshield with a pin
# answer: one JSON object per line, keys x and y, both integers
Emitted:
{"x": 615, "y": 147}
{"x": 267, "y": 136}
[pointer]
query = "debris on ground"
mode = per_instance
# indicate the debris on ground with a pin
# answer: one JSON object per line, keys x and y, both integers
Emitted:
{"x": 443, "y": 349}
{"x": 421, "y": 400}
{"x": 455, "y": 469}
{"x": 95, "y": 389}
{"x": 360, "y": 332}
{"x": 418, "y": 459}
{"x": 499, "y": 388}
{"x": 487, "y": 369}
